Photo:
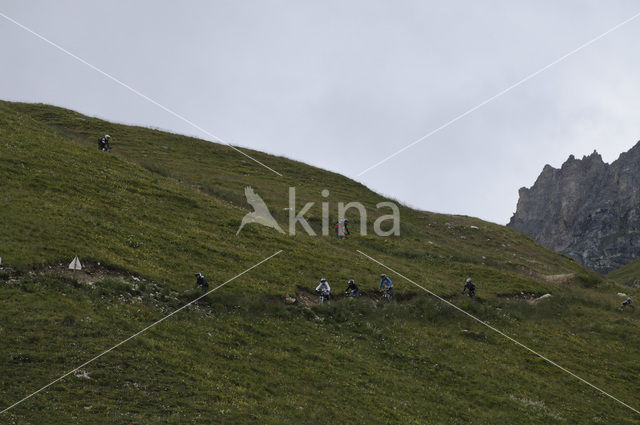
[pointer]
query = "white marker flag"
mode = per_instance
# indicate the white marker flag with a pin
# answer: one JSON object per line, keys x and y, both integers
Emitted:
{"x": 75, "y": 264}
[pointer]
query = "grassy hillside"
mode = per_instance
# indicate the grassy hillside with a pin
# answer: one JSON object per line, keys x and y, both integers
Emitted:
{"x": 628, "y": 275}
{"x": 162, "y": 206}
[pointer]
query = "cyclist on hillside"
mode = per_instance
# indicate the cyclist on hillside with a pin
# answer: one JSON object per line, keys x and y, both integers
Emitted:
{"x": 352, "y": 290}
{"x": 201, "y": 281}
{"x": 471, "y": 287}
{"x": 103, "y": 143}
{"x": 626, "y": 303}
{"x": 323, "y": 289}
{"x": 339, "y": 228}
{"x": 387, "y": 283}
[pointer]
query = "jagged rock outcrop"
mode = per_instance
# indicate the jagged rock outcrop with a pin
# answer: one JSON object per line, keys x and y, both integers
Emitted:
{"x": 587, "y": 209}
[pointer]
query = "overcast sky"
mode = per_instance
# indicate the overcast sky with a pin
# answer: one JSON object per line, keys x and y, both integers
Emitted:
{"x": 343, "y": 84}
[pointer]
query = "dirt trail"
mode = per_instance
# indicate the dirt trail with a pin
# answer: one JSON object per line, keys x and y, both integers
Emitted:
{"x": 530, "y": 297}
{"x": 558, "y": 278}
{"x": 308, "y": 298}
{"x": 90, "y": 273}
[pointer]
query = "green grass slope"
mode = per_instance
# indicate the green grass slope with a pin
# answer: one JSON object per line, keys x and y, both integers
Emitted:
{"x": 162, "y": 206}
{"x": 627, "y": 275}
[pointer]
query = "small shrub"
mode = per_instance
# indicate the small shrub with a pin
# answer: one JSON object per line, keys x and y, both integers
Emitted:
{"x": 68, "y": 320}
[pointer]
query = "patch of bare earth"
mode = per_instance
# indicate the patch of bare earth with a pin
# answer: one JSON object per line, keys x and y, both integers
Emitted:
{"x": 558, "y": 278}
{"x": 90, "y": 273}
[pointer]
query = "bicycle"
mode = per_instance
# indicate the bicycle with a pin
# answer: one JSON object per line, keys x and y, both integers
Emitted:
{"x": 324, "y": 296}
{"x": 626, "y": 304}
{"x": 471, "y": 294}
{"x": 386, "y": 294}
{"x": 352, "y": 294}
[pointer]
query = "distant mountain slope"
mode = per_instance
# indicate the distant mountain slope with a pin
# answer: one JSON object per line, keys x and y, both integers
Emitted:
{"x": 628, "y": 274}
{"x": 161, "y": 207}
{"x": 587, "y": 209}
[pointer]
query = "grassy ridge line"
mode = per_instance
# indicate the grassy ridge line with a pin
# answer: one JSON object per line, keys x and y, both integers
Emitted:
{"x": 222, "y": 176}
{"x": 61, "y": 197}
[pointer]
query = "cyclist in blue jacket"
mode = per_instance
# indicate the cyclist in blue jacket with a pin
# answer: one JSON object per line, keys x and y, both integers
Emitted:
{"x": 387, "y": 283}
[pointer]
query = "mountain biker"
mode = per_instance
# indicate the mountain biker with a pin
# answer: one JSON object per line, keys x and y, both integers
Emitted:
{"x": 323, "y": 288}
{"x": 471, "y": 287}
{"x": 103, "y": 143}
{"x": 388, "y": 284}
{"x": 626, "y": 302}
{"x": 345, "y": 224}
{"x": 339, "y": 227}
{"x": 352, "y": 290}
{"x": 201, "y": 281}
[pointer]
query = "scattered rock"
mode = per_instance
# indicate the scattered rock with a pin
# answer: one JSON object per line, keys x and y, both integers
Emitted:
{"x": 82, "y": 374}
{"x": 23, "y": 358}
{"x": 289, "y": 300}
{"x": 529, "y": 297}
{"x": 545, "y": 296}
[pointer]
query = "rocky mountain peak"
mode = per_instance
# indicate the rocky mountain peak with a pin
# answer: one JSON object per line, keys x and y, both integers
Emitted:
{"x": 587, "y": 209}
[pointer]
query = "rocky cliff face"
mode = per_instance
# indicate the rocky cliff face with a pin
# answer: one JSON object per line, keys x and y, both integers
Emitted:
{"x": 587, "y": 209}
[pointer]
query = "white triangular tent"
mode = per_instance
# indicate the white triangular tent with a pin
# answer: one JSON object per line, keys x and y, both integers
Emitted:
{"x": 75, "y": 264}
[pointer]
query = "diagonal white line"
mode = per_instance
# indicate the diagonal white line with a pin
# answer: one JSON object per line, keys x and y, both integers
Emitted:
{"x": 494, "y": 97}
{"x": 131, "y": 89}
{"x": 501, "y": 333}
{"x": 138, "y": 333}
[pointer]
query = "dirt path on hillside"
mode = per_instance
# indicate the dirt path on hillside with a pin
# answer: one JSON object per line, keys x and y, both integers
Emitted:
{"x": 90, "y": 273}
{"x": 558, "y": 278}
{"x": 308, "y": 298}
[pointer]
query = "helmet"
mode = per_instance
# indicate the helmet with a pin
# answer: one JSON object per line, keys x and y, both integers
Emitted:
{"x": 106, "y": 136}
{"x": 468, "y": 279}
{"x": 346, "y": 221}
{"x": 351, "y": 281}
{"x": 383, "y": 275}
{"x": 323, "y": 280}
